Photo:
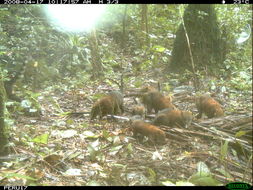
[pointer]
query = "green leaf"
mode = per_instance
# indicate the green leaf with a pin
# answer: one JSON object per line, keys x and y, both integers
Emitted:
{"x": 130, "y": 148}
{"x": 92, "y": 152}
{"x": 114, "y": 150}
{"x": 223, "y": 89}
{"x": 42, "y": 139}
{"x": 159, "y": 48}
{"x": 225, "y": 173}
{"x": 10, "y": 175}
{"x": 119, "y": 166}
{"x": 64, "y": 114}
{"x": 105, "y": 134}
{"x": 90, "y": 134}
{"x": 240, "y": 133}
{"x": 70, "y": 121}
{"x": 184, "y": 183}
{"x": 138, "y": 83}
{"x": 116, "y": 140}
{"x": 205, "y": 181}
{"x": 85, "y": 125}
{"x": 203, "y": 176}
{"x": 202, "y": 168}
{"x": 93, "y": 183}
{"x": 224, "y": 150}
{"x": 166, "y": 87}
{"x": 152, "y": 174}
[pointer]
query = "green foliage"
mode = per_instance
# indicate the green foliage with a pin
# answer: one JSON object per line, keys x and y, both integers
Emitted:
{"x": 241, "y": 81}
{"x": 152, "y": 175}
{"x": 203, "y": 176}
{"x": 68, "y": 53}
{"x": 11, "y": 175}
{"x": 94, "y": 151}
{"x": 31, "y": 105}
{"x": 61, "y": 62}
{"x": 41, "y": 139}
{"x": 224, "y": 150}
{"x": 93, "y": 183}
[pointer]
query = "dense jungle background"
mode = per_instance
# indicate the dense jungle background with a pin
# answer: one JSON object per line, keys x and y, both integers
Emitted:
{"x": 51, "y": 79}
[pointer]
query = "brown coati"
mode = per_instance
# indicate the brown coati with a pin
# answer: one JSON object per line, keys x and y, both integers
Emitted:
{"x": 154, "y": 134}
{"x": 118, "y": 98}
{"x": 171, "y": 117}
{"x": 147, "y": 89}
{"x": 155, "y": 100}
{"x": 166, "y": 110}
{"x": 110, "y": 104}
{"x": 138, "y": 110}
{"x": 210, "y": 107}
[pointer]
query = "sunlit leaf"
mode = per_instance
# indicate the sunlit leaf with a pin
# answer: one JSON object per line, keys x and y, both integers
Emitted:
{"x": 130, "y": 148}
{"x": 92, "y": 152}
{"x": 89, "y": 134}
{"x": 33, "y": 110}
{"x": 26, "y": 104}
{"x": 240, "y": 133}
{"x": 68, "y": 133}
{"x": 168, "y": 183}
{"x": 184, "y": 183}
{"x": 70, "y": 121}
{"x": 115, "y": 150}
{"x": 72, "y": 171}
{"x": 95, "y": 144}
{"x": 156, "y": 155}
{"x": 159, "y": 48}
{"x": 93, "y": 183}
{"x": 116, "y": 140}
{"x": 42, "y": 139}
{"x": 223, "y": 89}
{"x": 202, "y": 167}
{"x": 105, "y": 134}
{"x": 152, "y": 175}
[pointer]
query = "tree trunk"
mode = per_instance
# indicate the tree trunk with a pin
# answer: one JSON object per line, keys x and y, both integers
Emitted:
{"x": 205, "y": 40}
{"x": 123, "y": 42}
{"x": 144, "y": 25}
{"x": 95, "y": 56}
{"x": 3, "y": 133}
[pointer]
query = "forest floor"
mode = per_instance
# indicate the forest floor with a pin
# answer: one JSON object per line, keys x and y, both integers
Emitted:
{"x": 61, "y": 149}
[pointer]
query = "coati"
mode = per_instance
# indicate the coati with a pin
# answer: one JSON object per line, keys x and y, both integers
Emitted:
{"x": 171, "y": 117}
{"x": 110, "y": 104}
{"x": 154, "y": 134}
{"x": 138, "y": 110}
{"x": 155, "y": 100}
{"x": 147, "y": 89}
{"x": 166, "y": 110}
{"x": 210, "y": 107}
{"x": 119, "y": 99}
